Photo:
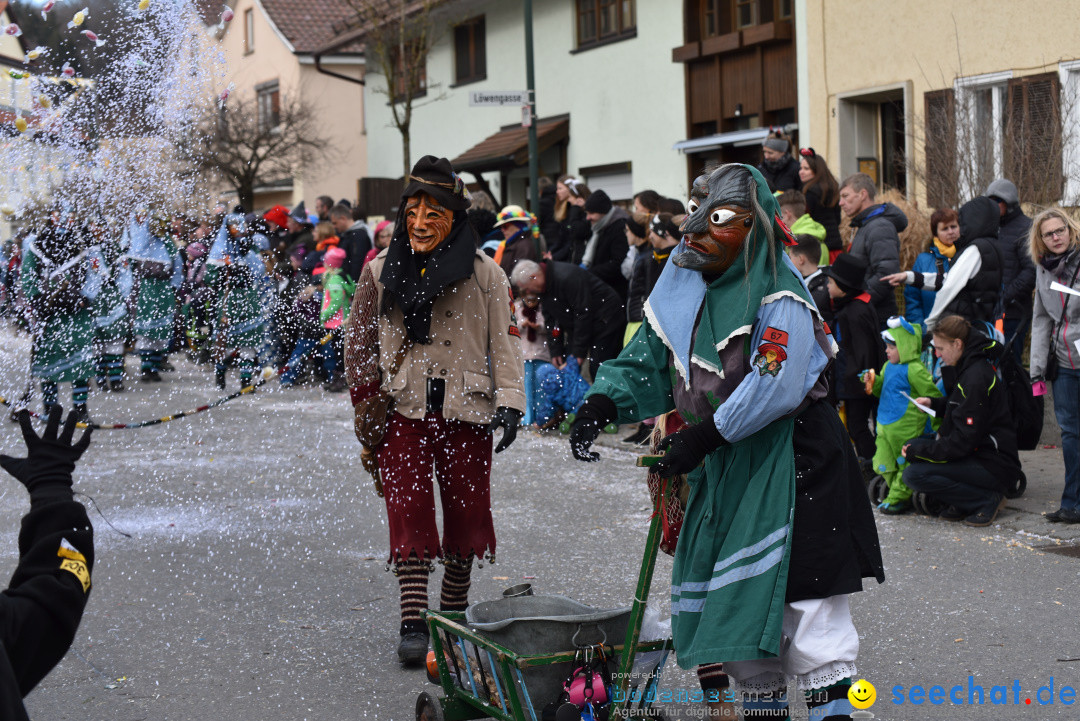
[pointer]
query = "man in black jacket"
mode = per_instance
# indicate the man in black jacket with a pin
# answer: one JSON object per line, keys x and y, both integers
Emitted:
{"x": 584, "y": 316}
{"x": 877, "y": 239}
{"x": 607, "y": 247}
{"x": 1018, "y": 272}
{"x": 41, "y": 608}
{"x": 355, "y": 240}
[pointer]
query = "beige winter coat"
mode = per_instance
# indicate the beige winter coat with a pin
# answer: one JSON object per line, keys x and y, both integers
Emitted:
{"x": 471, "y": 346}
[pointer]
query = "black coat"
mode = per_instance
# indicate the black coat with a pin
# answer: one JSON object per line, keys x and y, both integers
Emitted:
{"x": 611, "y": 250}
{"x": 640, "y": 285}
{"x": 827, "y": 216}
{"x": 877, "y": 241}
{"x": 578, "y": 308}
{"x": 979, "y": 299}
{"x": 819, "y": 291}
{"x": 975, "y": 419}
{"x": 41, "y": 608}
{"x": 1018, "y": 272}
{"x": 786, "y": 177}
{"x": 576, "y": 233}
{"x": 855, "y": 327}
{"x": 356, "y": 243}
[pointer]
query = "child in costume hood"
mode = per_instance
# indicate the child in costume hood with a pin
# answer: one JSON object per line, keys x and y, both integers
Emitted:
{"x": 898, "y": 420}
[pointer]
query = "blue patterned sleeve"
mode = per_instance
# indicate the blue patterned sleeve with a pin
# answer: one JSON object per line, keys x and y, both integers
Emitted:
{"x": 786, "y": 361}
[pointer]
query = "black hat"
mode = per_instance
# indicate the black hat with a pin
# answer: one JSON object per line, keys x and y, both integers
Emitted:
{"x": 636, "y": 228}
{"x": 299, "y": 213}
{"x": 598, "y": 202}
{"x": 848, "y": 270}
{"x": 345, "y": 202}
{"x": 436, "y": 177}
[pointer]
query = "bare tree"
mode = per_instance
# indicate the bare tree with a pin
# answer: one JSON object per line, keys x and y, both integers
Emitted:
{"x": 248, "y": 146}
{"x": 398, "y": 38}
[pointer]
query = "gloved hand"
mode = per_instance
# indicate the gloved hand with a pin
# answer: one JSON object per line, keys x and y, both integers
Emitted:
{"x": 50, "y": 460}
{"x": 594, "y": 414}
{"x": 509, "y": 420}
{"x": 686, "y": 449}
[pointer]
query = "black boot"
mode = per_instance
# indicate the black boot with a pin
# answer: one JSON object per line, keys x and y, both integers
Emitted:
{"x": 219, "y": 378}
{"x": 413, "y": 647}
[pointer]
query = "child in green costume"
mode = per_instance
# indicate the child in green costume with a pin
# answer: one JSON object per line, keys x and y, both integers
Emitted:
{"x": 898, "y": 420}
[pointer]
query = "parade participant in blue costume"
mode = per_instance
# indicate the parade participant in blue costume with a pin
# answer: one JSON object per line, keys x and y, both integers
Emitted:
{"x": 778, "y": 528}
{"x": 53, "y": 277}
{"x": 237, "y": 274}
{"x": 155, "y": 263}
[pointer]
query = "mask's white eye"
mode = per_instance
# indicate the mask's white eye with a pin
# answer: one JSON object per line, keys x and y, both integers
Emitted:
{"x": 719, "y": 217}
{"x": 692, "y": 206}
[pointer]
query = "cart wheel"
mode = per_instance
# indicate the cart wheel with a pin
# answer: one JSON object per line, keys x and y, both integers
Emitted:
{"x": 1018, "y": 488}
{"x": 428, "y": 708}
{"x": 877, "y": 489}
{"x": 927, "y": 505}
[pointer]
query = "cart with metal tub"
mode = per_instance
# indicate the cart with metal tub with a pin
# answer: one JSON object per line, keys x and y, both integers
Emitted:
{"x": 511, "y": 655}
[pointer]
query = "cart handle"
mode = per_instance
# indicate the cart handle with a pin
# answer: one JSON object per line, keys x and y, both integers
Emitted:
{"x": 603, "y": 633}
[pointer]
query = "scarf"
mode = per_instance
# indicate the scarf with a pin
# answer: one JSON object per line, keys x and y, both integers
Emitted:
{"x": 529, "y": 314}
{"x": 947, "y": 250}
{"x": 413, "y": 281}
{"x": 1053, "y": 261}
{"x": 594, "y": 241}
{"x": 331, "y": 242}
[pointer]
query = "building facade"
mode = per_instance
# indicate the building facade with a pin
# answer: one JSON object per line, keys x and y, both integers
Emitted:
{"x": 938, "y": 99}
{"x": 268, "y": 49}
{"x": 610, "y": 101}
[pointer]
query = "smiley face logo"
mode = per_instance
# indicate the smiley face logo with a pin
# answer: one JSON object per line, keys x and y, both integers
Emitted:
{"x": 862, "y": 694}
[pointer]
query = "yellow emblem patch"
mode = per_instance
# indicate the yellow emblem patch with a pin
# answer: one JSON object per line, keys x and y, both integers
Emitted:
{"x": 79, "y": 570}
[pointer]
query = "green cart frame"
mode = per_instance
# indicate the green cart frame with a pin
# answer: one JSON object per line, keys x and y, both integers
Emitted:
{"x": 501, "y": 692}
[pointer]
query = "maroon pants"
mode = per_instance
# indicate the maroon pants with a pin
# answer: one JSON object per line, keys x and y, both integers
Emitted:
{"x": 413, "y": 454}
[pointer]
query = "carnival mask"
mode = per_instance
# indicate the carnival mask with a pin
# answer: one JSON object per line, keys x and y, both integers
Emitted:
{"x": 720, "y": 217}
{"x": 427, "y": 222}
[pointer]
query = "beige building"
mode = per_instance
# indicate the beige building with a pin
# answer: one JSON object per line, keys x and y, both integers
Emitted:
{"x": 268, "y": 46}
{"x": 938, "y": 98}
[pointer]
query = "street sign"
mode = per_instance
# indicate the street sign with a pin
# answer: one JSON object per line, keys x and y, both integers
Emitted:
{"x": 497, "y": 98}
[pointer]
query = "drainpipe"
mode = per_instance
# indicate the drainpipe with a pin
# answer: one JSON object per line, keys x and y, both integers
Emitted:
{"x": 331, "y": 73}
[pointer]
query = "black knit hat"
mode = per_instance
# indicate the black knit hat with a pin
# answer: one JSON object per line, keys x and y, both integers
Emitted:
{"x": 598, "y": 202}
{"x": 436, "y": 177}
{"x": 848, "y": 270}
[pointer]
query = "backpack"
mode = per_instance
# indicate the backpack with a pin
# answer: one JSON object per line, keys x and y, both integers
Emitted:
{"x": 1026, "y": 408}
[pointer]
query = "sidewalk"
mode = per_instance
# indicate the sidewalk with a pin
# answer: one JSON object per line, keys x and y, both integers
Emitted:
{"x": 1025, "y": 515}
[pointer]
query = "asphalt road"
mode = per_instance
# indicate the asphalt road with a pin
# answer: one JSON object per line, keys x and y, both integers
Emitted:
{"x": 253, "y": 584}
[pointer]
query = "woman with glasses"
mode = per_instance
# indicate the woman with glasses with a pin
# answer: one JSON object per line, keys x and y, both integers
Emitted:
{"x": 1055, "y": 334}
{"x": 822, "y": 198}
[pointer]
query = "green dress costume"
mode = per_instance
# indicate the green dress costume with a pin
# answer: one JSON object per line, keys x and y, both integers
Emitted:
{"x": 898, "y": 420}
{"x": 63, "y": 333}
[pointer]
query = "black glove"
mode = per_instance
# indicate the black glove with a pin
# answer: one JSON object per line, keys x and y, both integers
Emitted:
{"x": 50, "y": 460}
{"x": 508, "y": 419}
{"x": 594, "y": 414}
{"x": 686, "y": 449}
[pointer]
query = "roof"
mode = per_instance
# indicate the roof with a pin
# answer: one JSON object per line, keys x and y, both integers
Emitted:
{"x": 309, "y": 25}
{"x": 510, "y": 146}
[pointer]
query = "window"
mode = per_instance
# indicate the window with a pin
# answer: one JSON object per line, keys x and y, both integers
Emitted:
{"x": 470, "y": 54}
{"x": 783, "y": 9}
{"x": 1069, "y": 81}
{"x": 249, "y": 31}
{"x": 746, "y": 13}
{"x": 601, "y": 21}
{"x": 268, "y": 98}
{"x": 940, "y": 147}
{"x": 410, "y": 72}
{"x": 980, "y": 130}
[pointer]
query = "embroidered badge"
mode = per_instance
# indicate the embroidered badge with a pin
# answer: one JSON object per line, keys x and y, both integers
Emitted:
{"x": 774, "y": 335}
{"x": 513, "y": 330}
{"x": 769, "y": 359}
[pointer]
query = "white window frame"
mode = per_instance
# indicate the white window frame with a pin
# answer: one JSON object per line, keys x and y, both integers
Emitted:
{"x": 967, "y": 143}
{"x": 1069, "y": 77}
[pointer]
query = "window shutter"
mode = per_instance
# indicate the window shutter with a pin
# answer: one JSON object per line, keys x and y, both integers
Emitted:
{"x": 940, "y": 149}
{"x": 1033, "y": 138}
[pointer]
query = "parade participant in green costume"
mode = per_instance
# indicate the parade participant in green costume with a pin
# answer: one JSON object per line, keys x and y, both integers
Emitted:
{"x": 112, "y": 323}
{"x": 233, "y": 272}
{"x": 901, "y": 379}
{"x": 778, "y": 528}
{"x": 52, "y": 279}
{"x": 155, "y": 262}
